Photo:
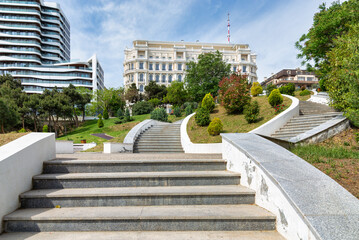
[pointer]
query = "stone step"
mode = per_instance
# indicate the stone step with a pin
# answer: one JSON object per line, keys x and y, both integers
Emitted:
{"x": 139, "y": 196}
{"x": 155, "y": 141}
{"x": 288, "y": 128}
{"x": 158, "y": 146}
{"x": 83, "y": 166}
{"x": 161, "y": 135}
{"x": 157, "y": 151}
{"x": 142, "y": 218}
{"x": 134, "y": 179}
{"x": 146, "y": 235}
{"x": 308, "y": 121}
{"x": 158, "y": 137}
{"x": 313, "y": 116}
{"x": 284, "y": 136}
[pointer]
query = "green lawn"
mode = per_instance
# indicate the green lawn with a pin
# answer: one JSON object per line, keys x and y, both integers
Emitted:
{"x": 302, "y": 98}
{"x": 233, "y": 123}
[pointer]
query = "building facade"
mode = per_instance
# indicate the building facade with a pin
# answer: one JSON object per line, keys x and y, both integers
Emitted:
{"x": 297, "y": 76}
{"x": 35, "y": 48}
{"x": 164, "y": 62}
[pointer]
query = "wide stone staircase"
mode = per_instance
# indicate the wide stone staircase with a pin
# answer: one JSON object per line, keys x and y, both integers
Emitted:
{"x": 162, "y": 138}
{"x": 311, "y": 115}
{"x": 179, "y": 197}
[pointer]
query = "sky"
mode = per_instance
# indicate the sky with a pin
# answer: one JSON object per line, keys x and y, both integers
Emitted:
{"x": 108, "y": 27}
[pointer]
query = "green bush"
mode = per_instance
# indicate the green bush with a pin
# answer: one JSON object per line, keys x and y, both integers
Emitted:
{"x": 124, "y": 118}
{"x": 275, "y": 98}
{"x": 208, "y": 102}
{"x": 141, "y": 108}
{"x": 105, "y": 114}
{"x": 194, "y": 105}
{"x": 159, "y": 114}
{"x": 288, "y": 89}
{"x": 188, "y": 110}
{"x": 22, "y": 130}
{"x": 45, "y": 128}
{"x": 202, "y": 117}
{"x": 119, "y": 113}
{"x": 251, "y": 112}
{"x": 353, "y": 116}
{"x": 303, "y": 88}
{"x": 100, "y": 123}
{"x": 177, "y": 112}
{"x": 127, "y": 115}
{"x": 270, "y": 88}
{"x": 215, "y": 127}
{"x": 155, "y": 102}
{"x": 305, "y": 92}
{"x": 256, "y": 89}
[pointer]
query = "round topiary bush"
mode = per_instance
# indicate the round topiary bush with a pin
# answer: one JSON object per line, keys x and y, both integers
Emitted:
{"x": 305, "y": 92}
{"x": 215, "y": 127}
{"x": 208, "y": 102}
{"x": 100, "y": 123}
{"x": 202, "y": 117}
{"x": 256, "y": 89}
{"x": 159, "y": 114}
{"x": 141, "y": 108}
{"x": 45, "y": 128}
{"x": 275, "y": 98}
{"x": 22, "y": 130}
{"x": 105, "y": 114}
{"x": 251, "y": 112}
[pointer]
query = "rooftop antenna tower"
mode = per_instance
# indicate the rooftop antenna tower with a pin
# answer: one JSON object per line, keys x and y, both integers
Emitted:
{"x": 229, "y": 33}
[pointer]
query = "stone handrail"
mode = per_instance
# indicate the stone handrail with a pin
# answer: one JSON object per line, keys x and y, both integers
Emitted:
{"x": 308, "y": 204}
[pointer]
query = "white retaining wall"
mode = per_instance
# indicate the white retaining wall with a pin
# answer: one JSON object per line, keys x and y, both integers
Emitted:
{"x": 20, "y": 160}
{"x": 65, "y": 147}
{"x": 190, "y": 147}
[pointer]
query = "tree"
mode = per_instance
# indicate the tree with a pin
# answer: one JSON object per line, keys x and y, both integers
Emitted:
{"x": 176, "y": 94}
{"x": 234, "y": 93}
{"x": 132, "y": 94}
{"x": 256, "y": 89}
{"x": 34, "y": 109}
{"x": 203, "y": 77}
{"x": 74, "y": 97}
{"x": 8, "y": 116}
{"x": 111, "y": 99}
{"x": 329, "y": 24}
{"x": 154, "y": 90}
{"x": 85, "y": 99}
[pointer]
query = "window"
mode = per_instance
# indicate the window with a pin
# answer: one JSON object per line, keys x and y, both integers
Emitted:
{"x": 131, "y": 66}
{"x": 234, "y": 69}
{"x": 141, "y": 65}
{"x": 132, "y": 78}
{"x": 244, "y": 69}
{"x": 157, "y": 66}
{"x": 169, "y": 78}
{"x": 141, "y": 88}
{"x": 151, "y": 57}
{"x": 151, "y": 77}
{"x": 163, "y": 57}
{"x": 180, "y": 78}
{"x": 179, "y": 66}
{"x": 150, "y": 66}
{"x": 157, "y": 57}
{"x": 309, "y": 79}
{"x": 163, "y": 78}
{"x": 141, "y": 77}
{"x": 170, "y": 67}
{"x": 301, "y": 78}
{"x": 187, "y": 67}
{"x": 157, "y": 77}
{"x": 169, "y": 57}
{"x": 164, "y": 67}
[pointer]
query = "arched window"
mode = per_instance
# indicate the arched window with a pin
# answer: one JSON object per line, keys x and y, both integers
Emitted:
{"x": 151, "y": 77}
{"x": 169, "y": 78}
{"x": 141, "y": 77}
{"x": 141, "y": 88}
{"x": 163, "y": 78}
{"x": 180, "y": 78}
{"x": 157, "y": 77}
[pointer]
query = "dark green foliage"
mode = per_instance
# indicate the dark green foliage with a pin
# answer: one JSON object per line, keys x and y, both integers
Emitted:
{"x": 154, "y": 90}
{"x": 275, "y": 98}
{"x": 251, "y": 112}
{"x": 189, "y": 110}
{"x": 105, "y": 114}
{"x": 322, "y": 86}
{"x": 100, "y": 123}
{"x": 270, "y": 88}
{"x": 132, "y": 95}
{"x": 208, "y": 102}
{"x": 202, "y": 117}
{"x": 215, "y": 127}
{"x": 141, "y": 108}
{"x": 203, "y": 77}
{"x": 288, "y": 89}
{"x": 45, "y": 128}
{"x": 176, "y": 94}
{"x": 159, "y": 114}
{"x": 305, "y": 92}
{"x": 194, "y": 105}
{"x": 177, "y": 111}
{"x": 8, "y": 116}
{"x": 125, "y": 117}
{"x": 120, "y": 113}
{"x": 155, "y": 102}
{"x": 303, "y": 88}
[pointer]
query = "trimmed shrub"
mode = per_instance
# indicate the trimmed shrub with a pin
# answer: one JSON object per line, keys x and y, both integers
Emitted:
{"x": 305, "y": 92}
{"x": 275, "y": 98}
{"x": 288, "y": 89}
{"x": 124, "y": 118}
{"x": 270, "y": 88}
{"x": 202, "y": 117}
{"x": 251, "y": 112}
{"x": 188, "y": 110}
{"x": 119, "y": 113}
{"x": 100, "y": 123}
{"x": 22, "y": 130}
{"x": 208, "y": 103}
{"x": 177, "y": 112}
{"x": 141, "y": 108}
{"x": 303, "y": 88}
{"x": 45, "y": 128}
{"x": 127, "y": 115}
{"x": 105, "y": 114}
{"x": 159, "y": 114}
{"x": 256, "y": 89}
{"x": 155, "y": 102}
{"x": 215, "y": 127}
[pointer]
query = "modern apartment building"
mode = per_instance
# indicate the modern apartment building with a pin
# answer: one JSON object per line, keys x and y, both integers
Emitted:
{"x": 165, "y": 62}
{"x": 297, "y": 76}
{"x": 35, "y": 48}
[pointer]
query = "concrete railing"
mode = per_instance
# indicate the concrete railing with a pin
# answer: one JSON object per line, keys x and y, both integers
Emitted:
{"x": 308, "y": 204}
{"x": 20, "y": 160}
{"x": 279, "y": 121}
{"x": 66, "y": 147}
{"x": 129, "y": 141}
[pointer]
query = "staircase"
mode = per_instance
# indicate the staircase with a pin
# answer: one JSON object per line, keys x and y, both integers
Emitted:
{"x": 311, "y": 115}
{"x": 151, "y": 198}
{"x": 163, "y": 138}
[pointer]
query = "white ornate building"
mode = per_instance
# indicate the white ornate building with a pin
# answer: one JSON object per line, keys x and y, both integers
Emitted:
{"x": 35, "y": 48}
{"x": 165, "y": 62}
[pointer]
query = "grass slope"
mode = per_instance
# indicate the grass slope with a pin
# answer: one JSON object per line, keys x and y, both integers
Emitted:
{"x": 302, "y": 98}
{"x": 232, "y": 123}
{"x": 9, "y": 137}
